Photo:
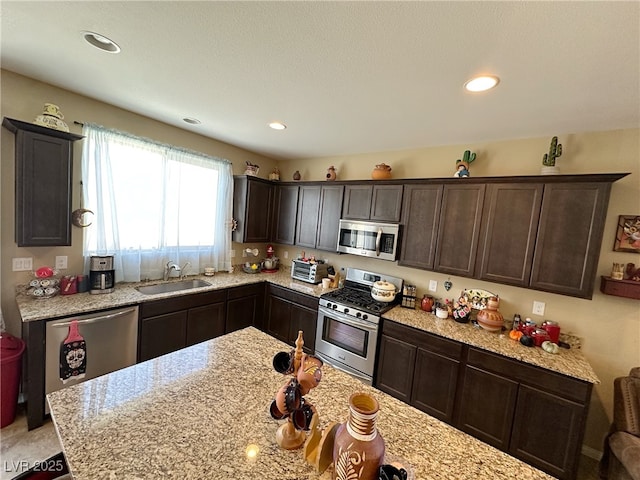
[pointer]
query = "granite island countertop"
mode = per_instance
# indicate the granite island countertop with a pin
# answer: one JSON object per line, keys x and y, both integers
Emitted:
{"x": 191, "y": 414}
{"x": 568, "y": 362}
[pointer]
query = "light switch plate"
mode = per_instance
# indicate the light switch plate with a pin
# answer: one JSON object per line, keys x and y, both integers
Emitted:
{"x": 433, "y": 285}
{"x": 538, "y": 308}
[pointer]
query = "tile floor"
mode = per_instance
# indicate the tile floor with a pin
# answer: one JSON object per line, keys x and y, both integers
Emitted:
{"x": 19, "y": 447}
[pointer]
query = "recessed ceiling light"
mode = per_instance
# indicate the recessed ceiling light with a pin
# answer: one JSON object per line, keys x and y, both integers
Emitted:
{"x": 481, "y": 83}
{"x": 100, "y": 41}
{"x": 192, "y": 121}
{"x": 277, "y": 125}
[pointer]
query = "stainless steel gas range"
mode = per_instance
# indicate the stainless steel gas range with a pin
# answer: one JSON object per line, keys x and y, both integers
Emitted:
{"x": 348, "y": 321}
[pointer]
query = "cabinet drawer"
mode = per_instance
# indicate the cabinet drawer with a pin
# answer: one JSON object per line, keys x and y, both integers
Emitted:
{"x": 182, "y": 302}
{"x": 245, "y": 291}
{"x": 561, "y": 385}
{"x": 421, "y": 339}
{"x": 298, "y": 298}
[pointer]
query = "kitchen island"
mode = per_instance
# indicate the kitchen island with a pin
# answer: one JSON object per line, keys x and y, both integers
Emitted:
{"x": 194, "y": 412}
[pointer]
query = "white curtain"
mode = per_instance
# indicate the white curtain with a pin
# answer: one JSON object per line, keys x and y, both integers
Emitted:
{"x": 154, "y": 203}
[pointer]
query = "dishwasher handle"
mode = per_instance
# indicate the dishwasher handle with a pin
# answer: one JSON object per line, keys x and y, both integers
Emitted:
{"x": 95, "y": 319}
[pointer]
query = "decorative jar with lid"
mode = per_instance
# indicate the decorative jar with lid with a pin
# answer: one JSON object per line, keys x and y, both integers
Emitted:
{"x": 490, "y": 318}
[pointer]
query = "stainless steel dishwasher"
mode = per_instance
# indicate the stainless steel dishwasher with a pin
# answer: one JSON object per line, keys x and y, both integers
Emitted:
{"x": 111, "y": 340}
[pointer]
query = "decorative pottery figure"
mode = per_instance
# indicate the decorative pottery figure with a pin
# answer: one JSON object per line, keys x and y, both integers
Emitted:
{"x": 274, "y": 176}
{"x": 251, "y": 169}
{"x": 427, "y": 303}
{"x": 358, "y": 449}
{"x": 331, "y": 173}
{"x": 297, "y": 176}
{"x": 381, "y": 172}
{"x": 462, "y": 166}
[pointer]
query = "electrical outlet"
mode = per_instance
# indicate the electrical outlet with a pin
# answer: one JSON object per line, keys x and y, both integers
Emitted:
{"x": 433, "y": 285}
{"x": 538, "y": 308}
{"x": 61, "y": 262}
{"x": 286, "y": 254}
{"x": 22, "y": 264}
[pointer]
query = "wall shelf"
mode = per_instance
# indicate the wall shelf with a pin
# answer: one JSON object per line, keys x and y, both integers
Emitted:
{"x": 620, "y": 288}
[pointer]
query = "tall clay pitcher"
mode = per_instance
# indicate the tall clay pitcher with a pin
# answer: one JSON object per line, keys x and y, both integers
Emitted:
{"x": 358, "y": 450}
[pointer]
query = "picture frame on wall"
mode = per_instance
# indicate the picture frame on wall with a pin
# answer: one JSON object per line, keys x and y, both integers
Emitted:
{"x": 628, "y": 234}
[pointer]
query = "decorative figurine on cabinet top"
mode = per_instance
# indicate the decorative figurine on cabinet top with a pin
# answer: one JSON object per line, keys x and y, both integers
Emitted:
{"x": 331, "y": 173}
{"x": 462, "y": 166}
{"x": 549, "y": 159}
{"x": 274, "y": 176}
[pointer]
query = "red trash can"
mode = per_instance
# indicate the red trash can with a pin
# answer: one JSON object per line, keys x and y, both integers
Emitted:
{"x": 11, "y": 350}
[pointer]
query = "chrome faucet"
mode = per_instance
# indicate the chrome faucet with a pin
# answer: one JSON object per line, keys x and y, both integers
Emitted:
{"x": 183, "y": 270}
{"x": 171, "y": 265}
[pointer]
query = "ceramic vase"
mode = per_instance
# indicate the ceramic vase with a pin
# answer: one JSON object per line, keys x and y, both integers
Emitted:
{"x": 490, "y": 318}
{"x": 381, "y": 172}
{"x": 427, "y": 303}
{"x": 358, "y": 450}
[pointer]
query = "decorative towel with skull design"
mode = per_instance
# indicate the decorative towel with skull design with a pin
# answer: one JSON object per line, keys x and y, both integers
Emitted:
{"x": 73, "y": 355}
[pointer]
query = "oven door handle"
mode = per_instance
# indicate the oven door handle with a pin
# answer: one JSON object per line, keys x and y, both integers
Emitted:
{"x": 378, "y": 238}
{"x": 354, "y": 322}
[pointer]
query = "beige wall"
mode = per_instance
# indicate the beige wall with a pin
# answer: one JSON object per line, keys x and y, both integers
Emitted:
{"x": 609, "y": 326}
{"x": 23, "y": 99}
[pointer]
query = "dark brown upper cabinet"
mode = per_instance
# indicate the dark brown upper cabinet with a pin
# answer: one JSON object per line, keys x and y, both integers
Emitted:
{"x": 420, "y": 218}
{"x": 372, "y": 202}
{"x": 319, "y": 208}
{"x": 44, "y": 167}
{"x": 252, "y": 209}
{"x": 459, "y": 228}
{"x": 285, "y": 213}
{"x": 569, "y": 237}
{"x": 509, "y": 228}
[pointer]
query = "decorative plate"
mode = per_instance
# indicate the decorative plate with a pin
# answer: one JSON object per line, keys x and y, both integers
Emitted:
{"x": 477, "y": 298}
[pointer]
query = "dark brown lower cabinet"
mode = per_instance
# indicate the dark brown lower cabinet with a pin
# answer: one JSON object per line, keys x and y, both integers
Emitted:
{"x": 419, "y": 368}
{"x": 174, "y": 323}
{"x": 289, "y": 312}
{"x": 534, "y": 414}
{"x": 486, "y": 407}
{"x": 244, "y": 307}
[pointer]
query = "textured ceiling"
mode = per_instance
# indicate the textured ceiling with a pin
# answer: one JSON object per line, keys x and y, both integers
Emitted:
{"x": 346, "y": 77}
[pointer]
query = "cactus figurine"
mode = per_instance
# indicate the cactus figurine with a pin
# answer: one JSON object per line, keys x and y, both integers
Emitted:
{"x": 555, "y": 150}
{"x": 462, "y": 166}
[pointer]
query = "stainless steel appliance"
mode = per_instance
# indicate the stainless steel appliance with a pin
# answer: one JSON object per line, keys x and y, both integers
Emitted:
{"x": 309, "y": 272}
{"x": 377, "y": 240}
{"x": 348, "y": 321}
{"x": 102, "y": 277}
{"x": 111, "y": 339}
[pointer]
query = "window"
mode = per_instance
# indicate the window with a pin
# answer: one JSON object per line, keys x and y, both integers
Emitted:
{"x": 154, "y": 203}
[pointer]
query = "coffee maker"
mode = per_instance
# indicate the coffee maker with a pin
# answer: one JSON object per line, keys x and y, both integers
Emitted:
{"x": 102, "y": 278}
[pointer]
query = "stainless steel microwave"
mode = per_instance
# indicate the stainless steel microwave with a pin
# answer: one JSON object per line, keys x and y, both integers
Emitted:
{"x": 368, "y": 239}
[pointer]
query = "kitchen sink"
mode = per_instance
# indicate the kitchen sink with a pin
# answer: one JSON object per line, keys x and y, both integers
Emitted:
{"x": 172, "y": 286}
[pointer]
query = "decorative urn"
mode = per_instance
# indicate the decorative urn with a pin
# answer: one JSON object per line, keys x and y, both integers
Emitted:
{"x": 490, "y": 318}
{"x": 381, "y": 172}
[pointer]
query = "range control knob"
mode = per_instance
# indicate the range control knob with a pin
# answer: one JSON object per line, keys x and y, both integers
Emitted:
{"x": 334, "y": 306}
{"x": 365, "y": 316}
{"x": 358, "y": 315}
{"x": 346, "y": 310}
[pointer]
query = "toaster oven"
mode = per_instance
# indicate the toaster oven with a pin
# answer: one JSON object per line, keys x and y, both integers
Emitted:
{"x": 309, "y": 272}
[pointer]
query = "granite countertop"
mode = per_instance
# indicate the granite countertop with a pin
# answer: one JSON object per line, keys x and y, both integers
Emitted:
{"x": 568, "y": 362}
{"x": 126, "y": 294}
{"x": 192, "y": 414}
